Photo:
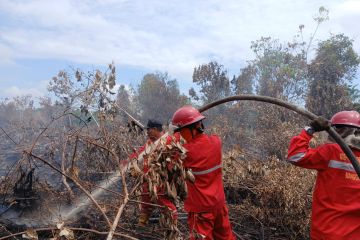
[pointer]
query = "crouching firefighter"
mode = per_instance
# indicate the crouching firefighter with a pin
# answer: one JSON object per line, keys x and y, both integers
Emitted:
{"x": 336, "y": 196}
{"x": 207, "y": 211}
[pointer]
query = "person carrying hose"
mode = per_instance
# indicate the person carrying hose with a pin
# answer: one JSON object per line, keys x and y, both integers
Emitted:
{"x": 205, "y": 203}
{"x": 336, "y": 196}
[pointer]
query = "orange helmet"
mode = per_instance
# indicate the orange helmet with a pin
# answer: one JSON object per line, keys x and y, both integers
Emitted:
{"x": 348, "y": 118}
{"x": 186, "y": 116}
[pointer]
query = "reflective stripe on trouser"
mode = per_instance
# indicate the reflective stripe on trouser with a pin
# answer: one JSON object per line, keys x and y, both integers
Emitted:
{"x": 210, "y": 225}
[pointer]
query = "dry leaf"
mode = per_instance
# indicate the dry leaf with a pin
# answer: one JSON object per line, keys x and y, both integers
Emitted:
{"x": 67, "y": 233}
{"x": 30, "y": 234}
{"x": 59, "y": 225}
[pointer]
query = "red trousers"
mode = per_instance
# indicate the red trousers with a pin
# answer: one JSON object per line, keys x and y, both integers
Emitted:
{"x": 162, "y": 201}
{"x": 211, "y": 225}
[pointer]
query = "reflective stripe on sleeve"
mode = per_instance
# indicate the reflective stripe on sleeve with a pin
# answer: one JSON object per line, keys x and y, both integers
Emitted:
{"x": 297, "y": 157}
{"x": 207, "y": 170}
{"x": 341, "y": 165}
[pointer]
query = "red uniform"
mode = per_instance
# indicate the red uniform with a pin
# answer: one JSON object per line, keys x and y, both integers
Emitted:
{"x": 336, "y": 197}
{"x": 162, "y": 200}
{"x": 208, "y": 214}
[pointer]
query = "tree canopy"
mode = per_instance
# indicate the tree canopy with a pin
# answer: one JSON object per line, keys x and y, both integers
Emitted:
{"x": 330, "y": 72}
{"x": 158, "y": 96}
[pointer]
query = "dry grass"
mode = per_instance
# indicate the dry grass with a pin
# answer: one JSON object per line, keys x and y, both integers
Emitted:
{"x": 269, "y": 199}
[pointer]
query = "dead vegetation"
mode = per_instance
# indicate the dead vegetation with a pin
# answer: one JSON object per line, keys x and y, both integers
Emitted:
{"x": 268, "y": 199}
{"x": 63, "y": 169}
{"x": 66, "y": 176}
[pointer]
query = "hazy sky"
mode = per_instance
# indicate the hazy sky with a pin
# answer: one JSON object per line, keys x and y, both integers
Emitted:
{"x": 39, "y": 38}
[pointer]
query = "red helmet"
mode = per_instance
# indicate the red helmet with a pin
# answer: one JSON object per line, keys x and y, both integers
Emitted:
{"x": 185, "y": 116}
{"x": 349, "y": 118}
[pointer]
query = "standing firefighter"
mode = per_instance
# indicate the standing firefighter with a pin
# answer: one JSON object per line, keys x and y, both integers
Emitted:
{"x": 207, "y": 211}
{"x": 336, "y": 197}
{"x": 154, "y": 131}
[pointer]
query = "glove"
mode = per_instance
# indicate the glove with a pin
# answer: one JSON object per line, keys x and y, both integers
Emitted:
{"x": 320, "y": 124}
{"x": 135, "y": 171}
{"x": 143, "y": 219}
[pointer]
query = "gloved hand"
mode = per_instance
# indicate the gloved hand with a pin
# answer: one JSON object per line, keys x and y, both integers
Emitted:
{"x": 135, "y": 171}
{"x": 320, "y": 124}
{"x": 143, "y": 219}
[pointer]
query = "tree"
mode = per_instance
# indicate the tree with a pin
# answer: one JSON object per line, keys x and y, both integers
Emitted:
{"x": 330, "y": 73}
{"x": 243, "y": 84}
{"x": 355, "y": 96}
{"x": 213, "y": 81}
{"x": 91, "y": 91}
{"x": 277, "y": 71}
{"x": 8, "y": 112}
{"x": 25, "y": 107}
{"x": 158, "y": 96}
{"x": 123, "y": 98}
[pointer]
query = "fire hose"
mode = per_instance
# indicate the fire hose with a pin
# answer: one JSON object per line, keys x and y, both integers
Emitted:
{"x": 296, "y": 109}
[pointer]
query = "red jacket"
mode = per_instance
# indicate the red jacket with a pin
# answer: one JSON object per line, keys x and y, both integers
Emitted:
{"x": 336, "y": 197}
{"x": 204, "y": 159}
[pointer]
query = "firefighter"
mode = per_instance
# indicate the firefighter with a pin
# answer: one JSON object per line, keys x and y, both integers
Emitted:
{"x": 336, "y": 204}
{"x": 207, "y": 211}
{"x": 154, "y": 131}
